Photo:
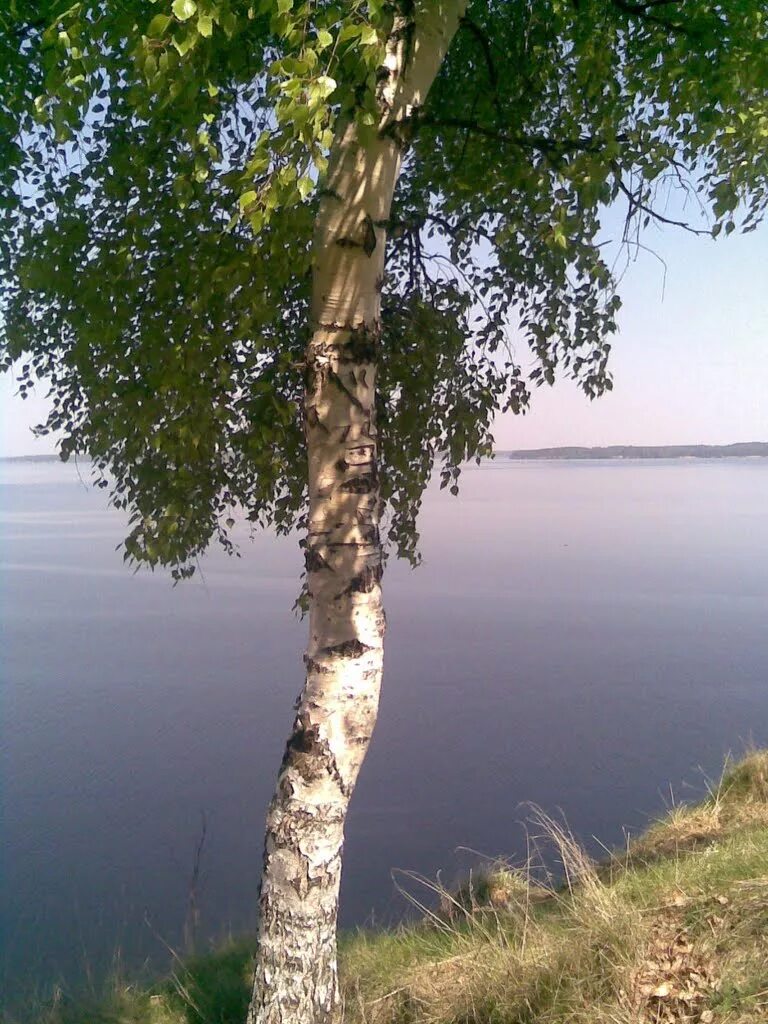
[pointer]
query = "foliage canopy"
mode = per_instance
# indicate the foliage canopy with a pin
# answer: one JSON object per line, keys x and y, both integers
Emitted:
{"x": 160, "y": 164}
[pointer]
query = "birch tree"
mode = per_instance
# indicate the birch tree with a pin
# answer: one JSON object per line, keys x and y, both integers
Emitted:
{"x": 287, "y": 259}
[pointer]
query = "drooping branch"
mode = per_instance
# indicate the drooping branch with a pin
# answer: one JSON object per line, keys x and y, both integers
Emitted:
{"x": 485, "y": 45}
{"x": 636, "y": 204}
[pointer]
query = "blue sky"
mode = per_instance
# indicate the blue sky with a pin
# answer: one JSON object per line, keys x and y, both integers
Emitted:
{"x": 690, "y": 363}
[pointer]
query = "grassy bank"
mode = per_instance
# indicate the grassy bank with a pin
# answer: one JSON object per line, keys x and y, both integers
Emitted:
{"x": 672, "y": 929}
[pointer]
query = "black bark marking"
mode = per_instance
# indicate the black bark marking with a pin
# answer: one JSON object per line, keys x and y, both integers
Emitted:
{"x": 346, "y": 649}
{"x": 317, "y": 532}
{"x": 364, "y": 483}
{"x": 369, "y": 236}
{"x": 314, "y": 561}
{"x": 343, "y": 544}
{"x": 367, "y": 242}
{"x": 332, "y": 375}
{"x": 310, "y": 756}
{"x": 367, "y": 448}
{"x": 332, "y": 327}
{"x": 313, "y": 419}
{"x": 364, "y": 582}
{"x": 342, "y": 465}
{"x": 305, "y": 740}
{"x": 315, "y": 667}
{"x": 370, "y": 534}
{"x": 361, "y": 346}
{"x": 333, "y": 770}
{"x": 303, "y": 753}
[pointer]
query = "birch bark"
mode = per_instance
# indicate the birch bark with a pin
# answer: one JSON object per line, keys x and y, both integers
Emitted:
{"x": 296, "y": 973}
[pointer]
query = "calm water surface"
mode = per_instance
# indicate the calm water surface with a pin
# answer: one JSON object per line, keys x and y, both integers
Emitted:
{"x": 580, "y": 636}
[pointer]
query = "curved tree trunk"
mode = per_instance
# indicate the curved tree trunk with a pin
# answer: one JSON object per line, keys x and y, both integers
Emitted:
{"x": 296, "y": 978}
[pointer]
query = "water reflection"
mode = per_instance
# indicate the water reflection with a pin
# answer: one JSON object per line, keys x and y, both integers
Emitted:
{"x": 579, "y": 635}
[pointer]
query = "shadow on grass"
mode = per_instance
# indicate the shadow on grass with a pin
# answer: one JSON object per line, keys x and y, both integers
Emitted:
{"x": 215, "y": 988}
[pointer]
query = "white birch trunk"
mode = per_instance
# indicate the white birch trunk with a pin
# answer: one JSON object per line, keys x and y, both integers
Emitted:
{"x": 296, "y": 978}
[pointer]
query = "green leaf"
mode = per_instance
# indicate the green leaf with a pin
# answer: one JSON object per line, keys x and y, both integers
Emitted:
{"x": 205, "y": 25}
{"x": 324, "y": 85}
{"x": 184, "y": 43}
{"x": 184, "y": 9}
{"x": 158, "y": 26}
{"x": 349, "y": 31}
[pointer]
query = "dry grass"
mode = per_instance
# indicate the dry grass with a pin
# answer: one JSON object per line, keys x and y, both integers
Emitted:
{"x": 525, "y": 954}
{"x": 739, "y": 798}
{"x": 674, "y": 930}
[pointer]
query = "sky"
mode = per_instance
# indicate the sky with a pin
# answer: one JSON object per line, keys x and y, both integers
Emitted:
{"x": 690, "y": 362}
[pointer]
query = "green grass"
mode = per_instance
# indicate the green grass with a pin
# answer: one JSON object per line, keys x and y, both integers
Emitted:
{"x": 674, "y": 928}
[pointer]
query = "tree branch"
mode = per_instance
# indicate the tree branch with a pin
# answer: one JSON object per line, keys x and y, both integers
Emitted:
{"x": 485, "y": 45}
{"x": 635, "y": 204}
{"x": 585, "y": 144}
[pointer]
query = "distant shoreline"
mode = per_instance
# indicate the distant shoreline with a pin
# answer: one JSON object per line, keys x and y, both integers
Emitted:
{"x": 575, "y": 453}
{"x": 30, "y": 458}
{"x": 747, "y": 449}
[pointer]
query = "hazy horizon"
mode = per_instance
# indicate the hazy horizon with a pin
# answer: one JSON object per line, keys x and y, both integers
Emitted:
{"x": 53, "y": 455}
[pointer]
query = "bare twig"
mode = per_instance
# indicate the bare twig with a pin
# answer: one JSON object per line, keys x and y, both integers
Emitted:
{"x": 192, "y": 916}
